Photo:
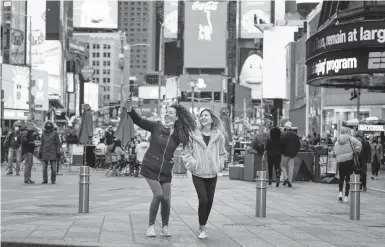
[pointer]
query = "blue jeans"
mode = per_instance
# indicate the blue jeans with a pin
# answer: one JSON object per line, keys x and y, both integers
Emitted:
{"x": 12, "y": 152}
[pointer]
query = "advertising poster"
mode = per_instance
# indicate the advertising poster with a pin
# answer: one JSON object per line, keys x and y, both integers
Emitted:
{"x": 95, "y": 14}
{"x": 36, "y": 10}
{"x": 17, "y": 53}
{"x": 252, "y": 13}
{"x": 274, "y": 67}
{"x": 40, "y": 90}
{"x": 251, "y": 70}
{"x": 205, "y": 34}
{"x": 15, "y": 80}
{"x": 170, "y": 19}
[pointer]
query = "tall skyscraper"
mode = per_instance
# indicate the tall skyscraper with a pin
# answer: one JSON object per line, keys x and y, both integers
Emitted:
{"x": 138, "y": 20}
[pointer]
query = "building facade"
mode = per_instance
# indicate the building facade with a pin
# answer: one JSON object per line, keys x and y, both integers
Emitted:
{"x": 104, "y": 50}
{"x": 138, "y": 20}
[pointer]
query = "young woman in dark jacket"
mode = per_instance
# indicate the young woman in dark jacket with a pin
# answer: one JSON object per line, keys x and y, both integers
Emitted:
{"x": 157, "y": 163}
{"x": 274, "y": 153}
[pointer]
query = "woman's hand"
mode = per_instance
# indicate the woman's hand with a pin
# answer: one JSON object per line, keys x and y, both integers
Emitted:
{"x": 128, "y": 105}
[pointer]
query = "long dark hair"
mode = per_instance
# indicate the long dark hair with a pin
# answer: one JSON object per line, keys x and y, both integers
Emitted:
{"x": 217, "y": 123}
{"x": 275, "y": 135}
{"x": 184, "y": 125}
{"x": 117, "y": 143}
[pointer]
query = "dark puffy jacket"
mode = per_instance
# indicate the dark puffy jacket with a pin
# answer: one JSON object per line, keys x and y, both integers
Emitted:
{"x": 13, "y": 140}
{"x": 366, "y": 153}
{"x": 27, "y": 141}
{"x": 157, "y": 162}
{"x": 290, "y": 144}
{"x": 50, "y": 145}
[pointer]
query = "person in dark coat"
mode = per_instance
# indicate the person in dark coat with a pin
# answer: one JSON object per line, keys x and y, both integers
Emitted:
{"x": 49, "y": 151}
{"x": 364, "y": 158}
{"x": 274, "y": 153}
{"x": 110, "y": 136}
{"x": 290, "y": 148}
{"x": 28, "y": 137}
{"x": 157, "y": 163}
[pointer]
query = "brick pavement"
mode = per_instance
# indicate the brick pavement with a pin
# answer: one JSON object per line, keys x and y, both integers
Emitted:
{"x": 308, "y": 214}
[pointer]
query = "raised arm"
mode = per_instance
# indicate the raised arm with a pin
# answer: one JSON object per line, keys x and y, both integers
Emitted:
{"x": 138, "y": 120}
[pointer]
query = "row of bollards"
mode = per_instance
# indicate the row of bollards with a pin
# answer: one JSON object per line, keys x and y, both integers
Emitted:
{"x": 260, "y": 209}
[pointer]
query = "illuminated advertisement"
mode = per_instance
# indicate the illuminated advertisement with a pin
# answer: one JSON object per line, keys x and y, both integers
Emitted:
{"x": 36, "y": 10}
{"x": 274, "y": 67}
{"x": 40, "y": 89}
{"x": 251, "y": 70}
{"x": 15, "y": 81}
{"x": 170, "y": 19}
{"x": 205, "y": 34}
{"x": 95, "y": 14}
{"x": 18, "y": 33}
{"x": 254, "y": 15}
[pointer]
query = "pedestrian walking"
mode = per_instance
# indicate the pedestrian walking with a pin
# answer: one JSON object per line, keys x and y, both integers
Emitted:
{"x": 157, "y": 163}
{"x": 290, "y": 148}
{"x": 49, "y": 151}
{"x": 378, "y": 154}
{"x": 28, "y": 137}
{"x": 274, "y": 154}
{"x": 344, "y": 149}
{"x": 364, "y": 158}
{"x": 12, "y": 143}
{"x": 205, "y": 156}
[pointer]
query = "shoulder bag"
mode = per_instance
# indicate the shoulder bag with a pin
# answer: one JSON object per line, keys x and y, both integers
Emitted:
{"x": 356, "y": 162}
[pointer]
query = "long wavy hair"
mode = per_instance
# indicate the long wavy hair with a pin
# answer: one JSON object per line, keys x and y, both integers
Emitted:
{"x": 217, "y": 123}
{"x": 184, "y": 125}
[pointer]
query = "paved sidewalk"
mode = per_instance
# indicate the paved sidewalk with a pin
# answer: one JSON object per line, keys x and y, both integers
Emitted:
{"x": 308, "y": 214}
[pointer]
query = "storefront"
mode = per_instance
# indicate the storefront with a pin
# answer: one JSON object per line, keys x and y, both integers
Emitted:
{"x": 347, "y": 59}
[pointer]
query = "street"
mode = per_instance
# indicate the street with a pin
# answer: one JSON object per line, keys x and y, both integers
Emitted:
{"x": 308, "y": 214}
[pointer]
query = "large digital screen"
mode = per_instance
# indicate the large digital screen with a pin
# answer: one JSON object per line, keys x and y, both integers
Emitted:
{"x": 15, "y": 82}
{"x": 95, "y": 14}
{"x": 253, "y": 16}
{"x": 170, "y": 19}
{"x": 274, "y": 61}
{"x": 205, "y": 34}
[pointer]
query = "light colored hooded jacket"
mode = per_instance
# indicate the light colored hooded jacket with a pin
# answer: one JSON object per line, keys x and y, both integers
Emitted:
{"x": 344, "y": 150}
{"x": 205, "y": 161}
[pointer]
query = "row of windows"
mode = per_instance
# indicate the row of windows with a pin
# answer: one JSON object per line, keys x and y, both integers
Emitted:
{"x": 97, "y": 46}
{"x": 97, "y": 63}
{"x": 138, "y": 66}
{"x": 133, "y": 3}
{"x": 105, "y": 80}
{"x": 97, "y": 54}
{"x": 138, "y": 29}
{"x": 105, "y": 72}
{"x": 106, "y": 97}
{"x": 137, "y": 19}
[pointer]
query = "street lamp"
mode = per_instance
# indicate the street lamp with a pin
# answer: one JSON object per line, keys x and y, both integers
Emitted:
{"x": 30, "y": 103}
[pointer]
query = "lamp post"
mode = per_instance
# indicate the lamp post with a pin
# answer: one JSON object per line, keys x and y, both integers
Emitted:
{"x": 125, "y": 47}
{"x": 160, "y": 69}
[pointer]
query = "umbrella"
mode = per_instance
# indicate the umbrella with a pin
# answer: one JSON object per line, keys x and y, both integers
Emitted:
{"x": 30, "y": 126}
{"x": 125, "y": 130}
{"x": 86, "y": 132}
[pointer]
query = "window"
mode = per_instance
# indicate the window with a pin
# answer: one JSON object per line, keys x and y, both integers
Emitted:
{"x": 93, "y": 46}
{"x": 108, "y": 54}
{"x": 97, "y": 80}
{"x": 97, "y": 72}
{"x": 108, "y": 96}
{"x": 104, "y": 80}
{"x": 108, "y": 79}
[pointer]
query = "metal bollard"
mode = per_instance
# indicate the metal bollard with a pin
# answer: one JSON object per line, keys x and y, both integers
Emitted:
{"x": 261, "y": 194}
{"x": 355, "y": 197}
{"x": 84, "y": 190}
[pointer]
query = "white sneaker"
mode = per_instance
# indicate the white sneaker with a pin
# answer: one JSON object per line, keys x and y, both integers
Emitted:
{"x": 151, "y": 231}
{"x": 202, "y": 235}
{"x": 165, "y": 232}
{"x": 340, "y": 196}
{"x": 345, "y": 199}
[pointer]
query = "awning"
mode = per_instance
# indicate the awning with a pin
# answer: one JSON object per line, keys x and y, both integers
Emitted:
{"x": 55, "y": 103}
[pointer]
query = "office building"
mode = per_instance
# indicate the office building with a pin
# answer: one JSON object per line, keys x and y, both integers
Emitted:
{"x": 138, "y": 20}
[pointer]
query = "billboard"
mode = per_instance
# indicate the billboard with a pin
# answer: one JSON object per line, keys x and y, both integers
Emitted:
{"x": 251, "y": 70}
{"x": 150, "y": 92}
{"x": 17, "y": 53}
{"x": 274, "y": 67}
{"x": 95, "y": 14}
{"x": 40, "y": 89}
{"x": 205, "y": 34}
{"x": 15, "y": 81}
{"x": 252, "y": 12}
{"x": 36, "y": 10}
{"x": 90, "y": 91}
{"x": 170, "y": 19}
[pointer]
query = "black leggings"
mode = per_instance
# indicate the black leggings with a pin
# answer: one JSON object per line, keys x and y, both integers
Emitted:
{"x": 274, "y": 161}
{"x": 345, "y": 169}
{"x": 205, "y": 188}
{"x": 376, "y": 165}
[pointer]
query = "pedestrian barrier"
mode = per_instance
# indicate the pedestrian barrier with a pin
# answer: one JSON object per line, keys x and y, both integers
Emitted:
{"x": 261, "y": 194}
{"x": 84, "y": 190}
{"x": 355, "y": 197}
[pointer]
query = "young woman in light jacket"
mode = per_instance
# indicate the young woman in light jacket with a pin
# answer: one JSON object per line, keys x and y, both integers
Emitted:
{"x": 205, "y": 156}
